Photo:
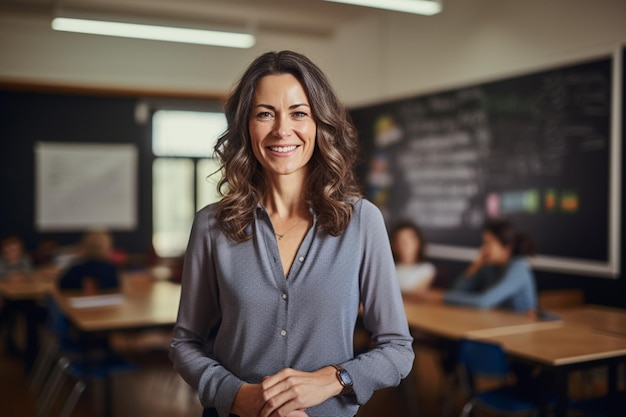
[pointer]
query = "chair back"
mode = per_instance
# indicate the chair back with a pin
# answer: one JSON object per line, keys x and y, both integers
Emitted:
{"x": 59, "y": 326}
{"x": 479, "y": 359}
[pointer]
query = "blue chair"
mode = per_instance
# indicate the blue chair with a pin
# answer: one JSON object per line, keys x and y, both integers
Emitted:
{"x": 479, "y": 359}
{"x": 76, "y": 357}
{"x": 54, "y": 342}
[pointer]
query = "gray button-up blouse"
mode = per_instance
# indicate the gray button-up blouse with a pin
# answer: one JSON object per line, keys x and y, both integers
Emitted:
{"x": 240, "y": 319}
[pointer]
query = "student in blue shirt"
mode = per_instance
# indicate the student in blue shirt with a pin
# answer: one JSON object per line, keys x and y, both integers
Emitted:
{"x": 499, "y": 277}
{"x": 94, "y": 271}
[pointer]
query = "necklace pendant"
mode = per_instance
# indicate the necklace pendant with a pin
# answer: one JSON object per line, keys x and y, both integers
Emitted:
{"x": 280, "y": 237}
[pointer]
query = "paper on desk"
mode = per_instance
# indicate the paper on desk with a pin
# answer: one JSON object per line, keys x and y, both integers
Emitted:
{"x": 96, "y": 300}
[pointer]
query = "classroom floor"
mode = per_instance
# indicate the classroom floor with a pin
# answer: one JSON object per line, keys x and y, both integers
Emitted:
{"x": 155, "y": 390}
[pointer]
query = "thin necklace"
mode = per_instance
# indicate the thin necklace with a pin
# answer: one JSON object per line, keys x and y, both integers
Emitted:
{"x": 280, "y": 236}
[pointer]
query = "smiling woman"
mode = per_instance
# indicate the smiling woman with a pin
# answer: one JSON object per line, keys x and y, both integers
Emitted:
{"x": 276, "y": 271}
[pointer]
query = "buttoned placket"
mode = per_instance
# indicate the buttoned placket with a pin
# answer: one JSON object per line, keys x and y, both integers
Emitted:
{"x": 266, "y": 231}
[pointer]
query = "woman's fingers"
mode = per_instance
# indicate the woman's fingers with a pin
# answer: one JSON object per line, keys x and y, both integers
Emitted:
{"x": 290, "y": 390}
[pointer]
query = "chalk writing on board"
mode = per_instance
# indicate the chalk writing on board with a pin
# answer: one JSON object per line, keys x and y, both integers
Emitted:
{"x": 534, "y": 147}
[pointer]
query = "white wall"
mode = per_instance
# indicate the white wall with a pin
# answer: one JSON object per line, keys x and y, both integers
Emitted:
{"x": 31, "y": 51}
{"x": 382, "y": 56}
{"x": 481, "y": 40}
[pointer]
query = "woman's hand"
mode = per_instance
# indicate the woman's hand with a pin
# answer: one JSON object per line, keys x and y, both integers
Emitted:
{"x": 289, "y": 392}
{"x": 286, "y": 394}
{"x": 249, "y": 402}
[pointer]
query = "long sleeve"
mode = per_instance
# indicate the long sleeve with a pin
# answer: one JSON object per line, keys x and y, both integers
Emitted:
{"x": 199, "y": 311}
{"x": 514, "y": 290}
{"x": 383, "y": 314}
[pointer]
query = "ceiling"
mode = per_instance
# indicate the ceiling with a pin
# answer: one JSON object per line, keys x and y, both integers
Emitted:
{"x": 312, "y": 17}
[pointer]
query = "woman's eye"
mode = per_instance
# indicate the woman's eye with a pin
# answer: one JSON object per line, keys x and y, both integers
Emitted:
{"x": 264, "y": 115}
{"x": 300, "y": 114}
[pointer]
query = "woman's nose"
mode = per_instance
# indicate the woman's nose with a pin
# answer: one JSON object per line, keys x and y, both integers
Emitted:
{"x": 282, "y": 128}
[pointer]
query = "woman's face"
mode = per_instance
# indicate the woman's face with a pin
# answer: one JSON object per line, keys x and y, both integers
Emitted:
{"x": 406, "y": 245}
{"x": 282, "y": 128}
{"x": 494, "y": 251}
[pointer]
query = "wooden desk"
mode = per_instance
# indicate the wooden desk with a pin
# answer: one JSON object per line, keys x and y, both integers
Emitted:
{"x": 565, "y": 345}
{"x": 147, "y": 305}
{"x": 22, "y": 294}
{"x": 601, "y": 318}
{"x": 586, "y": 336}
{"x": 563, "y": 349}
{"x": 454, "y": 322}
{"x": 142, "y": 303}
{"x": 30, "y": 287}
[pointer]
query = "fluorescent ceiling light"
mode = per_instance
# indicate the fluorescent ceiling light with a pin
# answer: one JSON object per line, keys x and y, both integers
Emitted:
{"x": 425, "y": 7}
{"x": 159, "y": 33}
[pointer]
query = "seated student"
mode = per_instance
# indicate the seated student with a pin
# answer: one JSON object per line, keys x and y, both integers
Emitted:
{"x": 45, "y": 254}
{"x": 13, "y": 259}
{"x": 413, "y": 269}
{"x": 499, "y": 277}
{"x": 15, "y": 263}
{"x": 93, "y": 271}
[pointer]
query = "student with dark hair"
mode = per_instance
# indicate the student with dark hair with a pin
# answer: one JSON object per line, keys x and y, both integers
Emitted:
{"x": 499, "y": 277}
{"x": 408, "y": 245}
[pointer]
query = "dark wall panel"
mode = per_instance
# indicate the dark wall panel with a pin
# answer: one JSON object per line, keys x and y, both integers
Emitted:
{"x": 27, "y": 118}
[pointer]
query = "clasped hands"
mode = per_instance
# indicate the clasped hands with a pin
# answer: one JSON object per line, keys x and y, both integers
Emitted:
{"x": 287, "y": 393}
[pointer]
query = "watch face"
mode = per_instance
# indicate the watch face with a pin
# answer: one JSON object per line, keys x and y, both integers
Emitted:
{"x": 345, "y": 377}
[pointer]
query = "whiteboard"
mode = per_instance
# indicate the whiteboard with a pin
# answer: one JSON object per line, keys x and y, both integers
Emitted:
{"x": 85, "y": 185}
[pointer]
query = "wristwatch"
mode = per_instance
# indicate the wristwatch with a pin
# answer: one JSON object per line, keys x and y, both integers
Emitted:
{"x": 344, "y": 379}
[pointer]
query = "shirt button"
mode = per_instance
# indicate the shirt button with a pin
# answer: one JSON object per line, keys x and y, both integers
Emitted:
{"x": 301, "y": 259}
{"x": 284, "y": 296}
{"x": 283, "y": 333}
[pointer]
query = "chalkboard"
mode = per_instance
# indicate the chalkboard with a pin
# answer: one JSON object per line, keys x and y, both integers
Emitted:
{"x": 535, "y": 148}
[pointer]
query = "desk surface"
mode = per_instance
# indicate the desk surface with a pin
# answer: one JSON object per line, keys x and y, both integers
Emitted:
{"x": 584, "y": 334}
{"x": 457, "y": 322}
{"x": 145, "y": 305}
{"x": 33, "y": 286}
{"x": 601, "y": 318}
{"x": 568, "y": 344}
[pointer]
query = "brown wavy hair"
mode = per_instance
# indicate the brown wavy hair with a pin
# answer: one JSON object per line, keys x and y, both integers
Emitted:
{"x": 331, "y": 186}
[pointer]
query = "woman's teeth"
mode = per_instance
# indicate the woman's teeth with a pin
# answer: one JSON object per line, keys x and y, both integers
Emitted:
{"x": 282, "y": 148}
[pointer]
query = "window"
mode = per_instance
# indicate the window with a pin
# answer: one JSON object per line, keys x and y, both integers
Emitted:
{"x": 184, "y": 177}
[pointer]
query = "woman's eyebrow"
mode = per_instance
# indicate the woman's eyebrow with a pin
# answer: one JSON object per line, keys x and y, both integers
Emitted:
{"x": 293, "y": 106}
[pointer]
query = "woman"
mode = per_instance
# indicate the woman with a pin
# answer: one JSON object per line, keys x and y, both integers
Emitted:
{"x": 414, "y": 271}
{"x": 274, "y": 273}
{"x": 499, "y": 277}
